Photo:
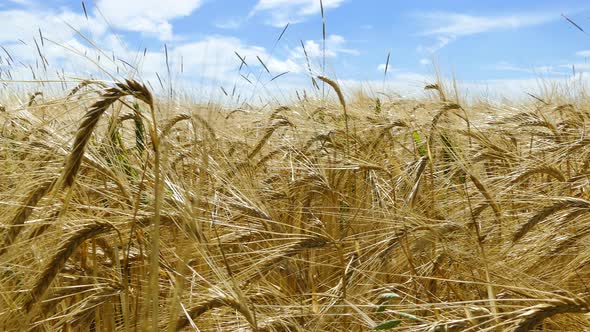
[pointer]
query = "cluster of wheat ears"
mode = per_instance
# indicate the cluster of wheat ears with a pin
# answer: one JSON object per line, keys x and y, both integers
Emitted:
{"x": 123, "y": 212}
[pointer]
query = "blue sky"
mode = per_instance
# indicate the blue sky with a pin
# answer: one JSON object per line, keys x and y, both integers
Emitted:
{"x": 487, "y": 45}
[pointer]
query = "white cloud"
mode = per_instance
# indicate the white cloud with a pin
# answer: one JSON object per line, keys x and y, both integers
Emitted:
{"x": 577, "y": 66}
{"x": 518, "y": 88}
{"x": 406, "y": 84}
{"x": 206, "y": 62}
{"x": 61, "y": 46}
{"x": 381, "y": 68}
{"x": 280, "y": 66}
{"x": 211, "y": 58}
{"x": 282, "y": 12}
{"x": 424, "y": 61}
{"x": 411, "y": 84}
{"x": 214, "y": 59}
{"x": 146, "y": 16}
{"x": 25, "y": 25}
{"x": 335, "y": 45}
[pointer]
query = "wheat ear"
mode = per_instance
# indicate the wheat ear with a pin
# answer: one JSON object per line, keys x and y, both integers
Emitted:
{"x": 91, "y": 303}
{"x": 563, "y": 203}
{"x": 23, "y": 213}
{"x": 536, "y": 314}
{"x": 544, "y": 169}
{"x": 217, "y": 302}
{"x": 58, "y": 261}
{"x": 268, "y": 133}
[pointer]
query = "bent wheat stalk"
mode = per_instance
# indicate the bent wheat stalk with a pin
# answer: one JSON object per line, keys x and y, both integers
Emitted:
{"x": 91, "y": 118}
{"x": 562, "y": 203}
{"x": 338, "y": 91}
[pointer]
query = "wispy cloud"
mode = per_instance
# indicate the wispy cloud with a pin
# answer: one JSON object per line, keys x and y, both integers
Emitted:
{"x": 506, "y": 66}
{"x": 21, "y": 2}
{"x": 456, "y": 24}
{"x": 281, "y": 12}
{"x": 584, "y": 53}
{"x": 230, "y": 23}
{"x": 441, "y": 41}
{"x": 533, "y": 70}
{"x": 447, "y": 27}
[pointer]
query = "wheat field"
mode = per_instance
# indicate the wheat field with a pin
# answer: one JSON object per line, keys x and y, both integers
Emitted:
{"x": 123, "y": 210}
